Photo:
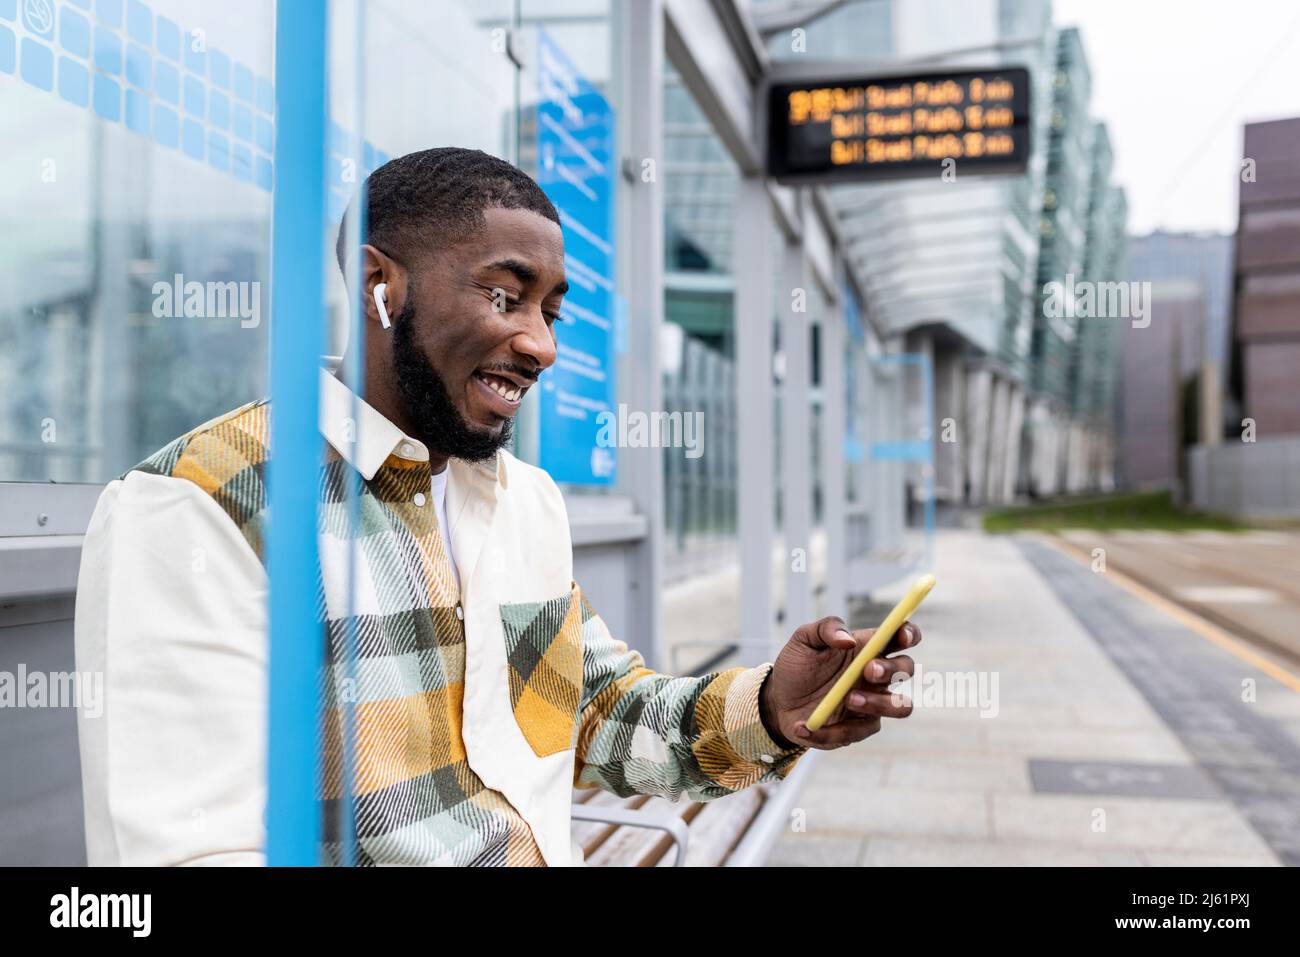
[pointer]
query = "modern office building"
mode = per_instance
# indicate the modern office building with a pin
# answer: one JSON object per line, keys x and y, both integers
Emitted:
{"x": 1064, "y": 224}
{"x": 1266, "y": 285}
{"x": 1255, "y": 470}
{"x": 1095, "y": 364}
{"x": 1069, "y": 437}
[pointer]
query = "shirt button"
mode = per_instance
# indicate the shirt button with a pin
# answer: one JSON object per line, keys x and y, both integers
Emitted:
{"x": 460, "y": 614}
{"x": 419, "y": 499}
{"x": 766, "y": 758}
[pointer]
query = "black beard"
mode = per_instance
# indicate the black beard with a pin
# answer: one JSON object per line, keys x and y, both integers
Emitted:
{"x": 429, "y": 407}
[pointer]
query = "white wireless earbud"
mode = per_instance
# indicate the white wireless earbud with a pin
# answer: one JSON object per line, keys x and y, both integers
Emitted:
{"x": 379, "y": 304}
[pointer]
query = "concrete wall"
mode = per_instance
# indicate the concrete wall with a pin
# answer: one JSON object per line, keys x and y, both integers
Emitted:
{"x": 1250, "y": 479}
{"x": 40, "y": 764}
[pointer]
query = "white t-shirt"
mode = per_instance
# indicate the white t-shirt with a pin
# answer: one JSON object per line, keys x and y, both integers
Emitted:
{"x": 438, "y": 492}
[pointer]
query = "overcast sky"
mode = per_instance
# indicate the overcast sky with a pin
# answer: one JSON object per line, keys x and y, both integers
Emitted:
{"x": 1175, "y": 80}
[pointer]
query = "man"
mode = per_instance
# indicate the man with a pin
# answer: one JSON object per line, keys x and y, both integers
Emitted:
{"x": 484, "y": 685}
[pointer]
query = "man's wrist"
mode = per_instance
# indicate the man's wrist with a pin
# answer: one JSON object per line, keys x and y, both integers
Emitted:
{"x": 769, "y": 719}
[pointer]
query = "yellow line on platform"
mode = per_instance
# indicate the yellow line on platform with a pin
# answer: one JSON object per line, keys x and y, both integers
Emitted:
{"x": 1207, "y": 630}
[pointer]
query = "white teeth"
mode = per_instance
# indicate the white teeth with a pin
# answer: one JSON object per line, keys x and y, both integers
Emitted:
{"x": 503, "y": 391}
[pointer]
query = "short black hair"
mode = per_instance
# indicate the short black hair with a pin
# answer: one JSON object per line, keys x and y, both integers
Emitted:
{"x": 438, "y": 196}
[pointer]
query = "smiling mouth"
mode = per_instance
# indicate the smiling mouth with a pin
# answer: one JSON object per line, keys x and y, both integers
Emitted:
{"x": 509, "y": 392}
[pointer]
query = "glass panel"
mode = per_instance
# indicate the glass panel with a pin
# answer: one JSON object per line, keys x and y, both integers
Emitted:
{"x": 700, "y": 181}
{"x": 436, "y": 74}
{"x": 134, "y": 229}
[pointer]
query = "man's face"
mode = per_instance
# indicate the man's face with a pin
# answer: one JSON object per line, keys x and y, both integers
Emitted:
{"x": 476, "y": 329}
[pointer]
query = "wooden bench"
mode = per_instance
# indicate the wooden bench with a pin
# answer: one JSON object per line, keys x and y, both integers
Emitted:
{"x": 735, "y": 831}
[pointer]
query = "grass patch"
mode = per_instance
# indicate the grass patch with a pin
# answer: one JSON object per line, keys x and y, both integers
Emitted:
{"x": 1141, "y": 510}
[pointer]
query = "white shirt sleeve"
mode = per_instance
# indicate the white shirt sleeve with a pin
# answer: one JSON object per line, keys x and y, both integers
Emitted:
{"x": 171, "y": 608}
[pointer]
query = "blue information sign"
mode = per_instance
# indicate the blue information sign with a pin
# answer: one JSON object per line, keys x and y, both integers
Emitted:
{"x": 575, "y": 166}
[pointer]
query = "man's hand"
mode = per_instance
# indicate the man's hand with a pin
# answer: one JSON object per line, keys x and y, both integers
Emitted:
{"x": 808, "y": 666}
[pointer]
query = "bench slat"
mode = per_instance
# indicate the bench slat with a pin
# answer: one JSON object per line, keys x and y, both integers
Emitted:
{"x": 716, "y": 828}
{"x": 590, "y": 835}
{"x": 643, "y": 846}
{"x": 720, "y": 825}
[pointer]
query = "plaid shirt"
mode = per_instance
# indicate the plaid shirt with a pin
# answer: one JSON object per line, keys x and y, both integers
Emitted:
{"x": 476, "y": 708}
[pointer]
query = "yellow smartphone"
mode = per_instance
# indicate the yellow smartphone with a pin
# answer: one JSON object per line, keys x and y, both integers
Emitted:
{"x": 894, "y": 621}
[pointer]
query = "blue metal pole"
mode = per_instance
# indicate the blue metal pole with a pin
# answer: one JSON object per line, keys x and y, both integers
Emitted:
{"x": 354, "y": 372}
{"x": 297, "y": 332}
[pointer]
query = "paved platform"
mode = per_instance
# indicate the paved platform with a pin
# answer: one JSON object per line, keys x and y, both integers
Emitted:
{"x": 1120, "y": 736}
{"x": 1246, "y": 582}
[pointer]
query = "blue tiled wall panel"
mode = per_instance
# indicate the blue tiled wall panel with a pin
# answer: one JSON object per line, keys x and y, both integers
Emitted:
{"x": 218, "y": 110}
{"x": 167, "y": 38}
{"x": 196, "y": 61}
{"x": 265, "y": 135}
{"x": 108, "y": 98}
{"x": 242, "y": 163}
{"x": 263, "y": 173}
{"x": 139, "y": 66}
{"x": 8, "y": 51}
{"x": 108, "y": 50}
{"x": 192, "y": 137}
{"x": 38, "y": 18}
{"x": 243, "y": 83}
{"x": 243, "y": 122}
{"x": 109, "y": 11}
{"x": 196, "y": 99}
{"x": 219, "y": 69}
{"x": 74, "y": 81}
{"x": 139, "y": 22}
{"x": 218, "y": 152}
{"x": 167, "y": 82}
{"x": 137, "y": 112}
{"x": 36, "y": 64}
{"x": 166, "y": 126}
{"x": 74, "y": 32}
{"x": 265, "y": 95}
{"x": 248, "y": 113}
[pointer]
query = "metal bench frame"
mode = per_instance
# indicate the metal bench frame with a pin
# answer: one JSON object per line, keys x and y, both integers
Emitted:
{"x": 757, "y": 839}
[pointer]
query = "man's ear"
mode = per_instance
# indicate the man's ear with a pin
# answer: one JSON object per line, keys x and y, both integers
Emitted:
{"x": 377, "y": 269}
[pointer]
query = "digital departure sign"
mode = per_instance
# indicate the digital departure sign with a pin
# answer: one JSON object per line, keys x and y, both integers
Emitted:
{"x": 855, "y": 128}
